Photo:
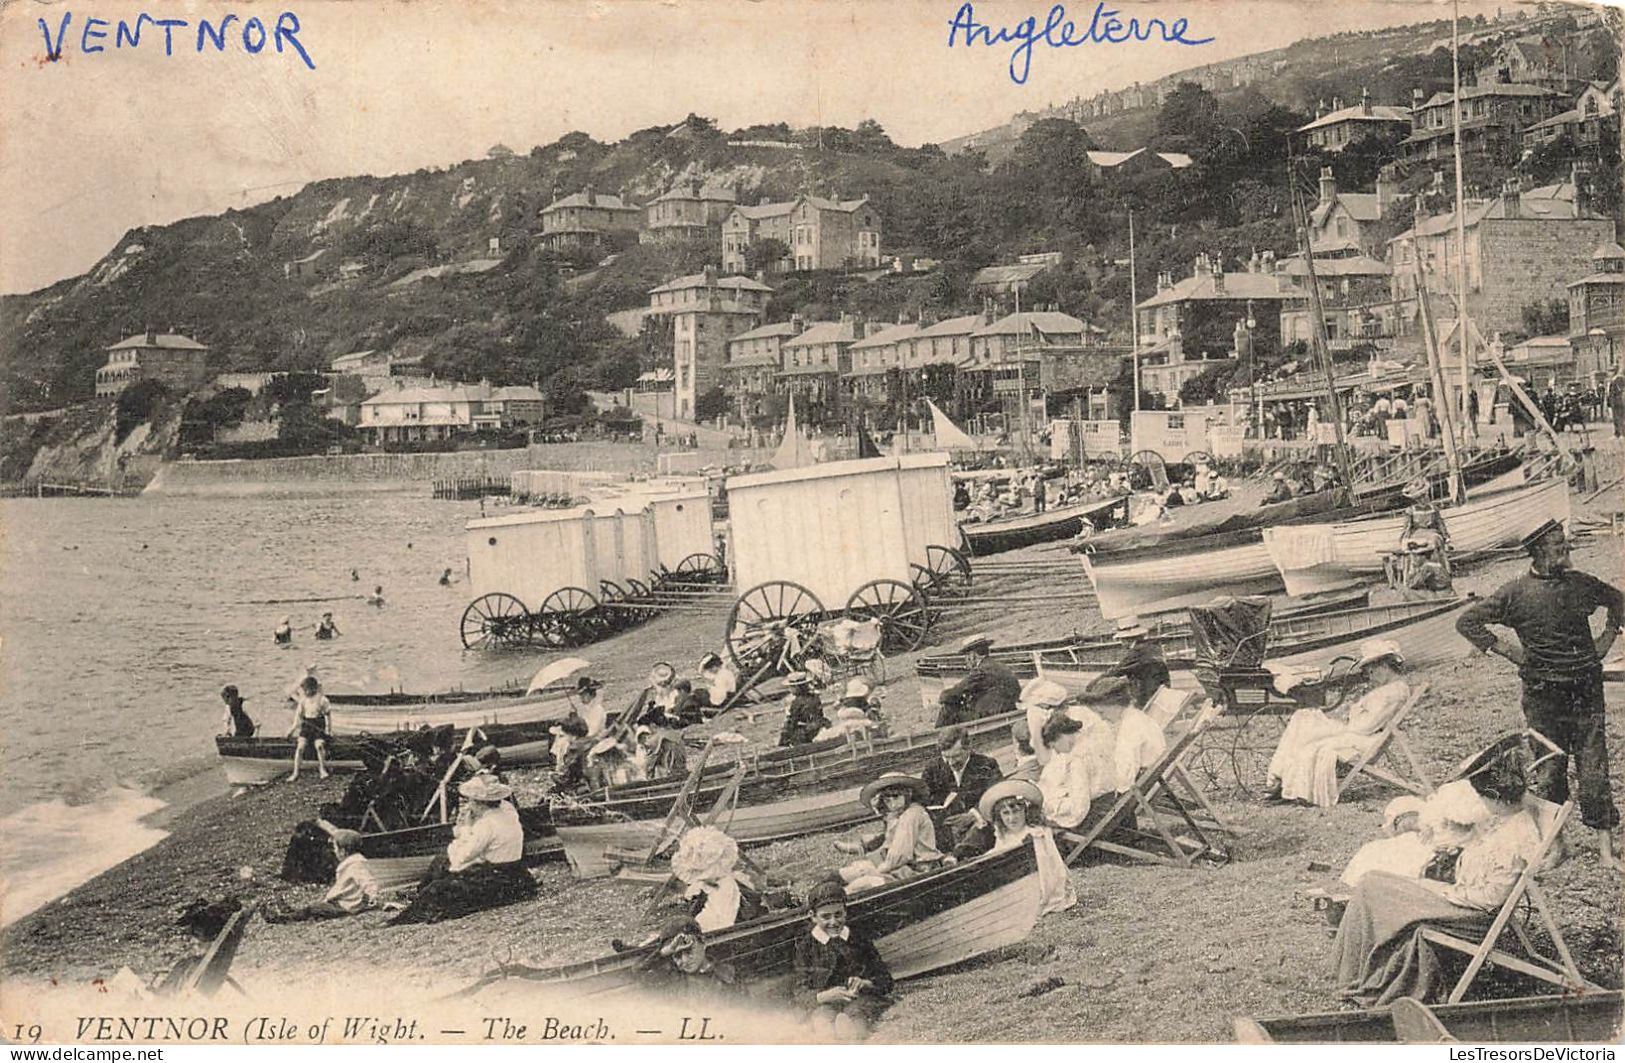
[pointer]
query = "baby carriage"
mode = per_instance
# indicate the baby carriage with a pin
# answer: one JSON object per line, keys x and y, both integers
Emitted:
{"x": 846, "y": 648}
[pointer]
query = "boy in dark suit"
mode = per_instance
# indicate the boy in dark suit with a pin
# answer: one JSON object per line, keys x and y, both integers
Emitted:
{"x": 840, "y": 976}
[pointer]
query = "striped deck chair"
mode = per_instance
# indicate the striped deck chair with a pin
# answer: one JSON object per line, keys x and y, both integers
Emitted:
{"x": 1390, "y": 743}
{"x": 1158, "y": 783}
{"x": 1558, "y": 969}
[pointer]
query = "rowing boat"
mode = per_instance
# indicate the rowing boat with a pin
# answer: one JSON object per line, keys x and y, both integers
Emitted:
{"x": 1426, "y": 630}
{"x": 1319, "y": 557}
{"x": 256, "y": 761}
{"x": 1053, "y": 525}
{"x": 778, "y": 800}
{"x": 1171, "y": 636}
{"x": 919, "y": 925}
{"x": 1570, "y": 1018}
{"x": 1130, "y": 583}
{"x": 410, "y": 712}
{"x": 398, "y": 858}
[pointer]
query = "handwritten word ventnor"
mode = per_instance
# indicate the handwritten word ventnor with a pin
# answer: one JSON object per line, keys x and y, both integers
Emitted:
{"x": 253, "y": 35}
{"x": 1060, "y": 32}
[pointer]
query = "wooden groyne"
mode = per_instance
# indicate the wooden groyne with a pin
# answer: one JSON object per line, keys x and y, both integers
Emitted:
{"x": 464, "y": 488}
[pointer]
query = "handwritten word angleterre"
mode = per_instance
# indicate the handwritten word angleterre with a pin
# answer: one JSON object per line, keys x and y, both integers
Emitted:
{"x": 251, "y": 34}
{"x": 1058, "y": 31}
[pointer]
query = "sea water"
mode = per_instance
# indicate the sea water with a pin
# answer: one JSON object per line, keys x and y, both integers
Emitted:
{"x": 121, "y": 619}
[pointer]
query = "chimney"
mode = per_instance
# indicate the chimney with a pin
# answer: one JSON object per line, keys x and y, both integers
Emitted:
{"x": 710, "y": 275}
{"x": 1320, "y": 108}
{"x": 1254, "y": 264}
{"x": 1268, "y": 263}
{"x": 1337, "y": 103}
{"x": 1365, "y": 102}
{"x": 1218, "y": 276}
{"x": 1202, "y": 265}
{"x": 1164, "y": 282}
{"x": 1511, "y": 200}
{"x": 1328, "y": 186}
{"x": 592, "y": 200}
{"x": 797, "y": 325}
{"x": 1417, "y": 99}
{"x": 1387, "y": 190}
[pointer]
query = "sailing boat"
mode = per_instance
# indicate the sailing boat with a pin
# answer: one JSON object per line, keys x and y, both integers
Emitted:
{"x": 793, "y": 451}
{"x": 949, "y": 436}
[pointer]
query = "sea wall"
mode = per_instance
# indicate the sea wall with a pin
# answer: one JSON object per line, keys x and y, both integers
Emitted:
{"x": 394, "y": 472}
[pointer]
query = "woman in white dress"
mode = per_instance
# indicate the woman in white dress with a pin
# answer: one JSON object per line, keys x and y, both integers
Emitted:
{"x": 1304, "y": 767}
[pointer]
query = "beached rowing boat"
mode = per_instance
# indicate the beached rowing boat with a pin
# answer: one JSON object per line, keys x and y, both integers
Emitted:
{"x": 398, "y": 858}
{"x": 410, "y": 712}
{"x": 919, "y": 925}
{"x": 1570, "y": 1018}
{"x": 1319, "y": 557}
{"x": 777, "y": 800}
{"x": 1172, "y": 636}
{"x": 1130, "y": 583}
{"x": 1052, "y": 525}
{"x": 256, "y": 761}
{"x": 1426, "y": 630}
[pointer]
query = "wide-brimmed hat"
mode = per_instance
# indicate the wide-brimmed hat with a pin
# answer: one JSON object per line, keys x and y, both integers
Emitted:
{"x": 1403, "y": 805}
{"x": 604, "y": 745}
{"x": 1418, "y": 489}
{"x": 1534, "y": 538}
{"x": 856, "y": 688}
{"x": 485, "y": 788}
{"x": 893, "y": 780}
{"x": 710, "y": 660}
{"x": 662, "y": 673}
{"x": 705, "y": 854}
{"x": 798, "y": 679}
{"x": 1131, "y": 627}
{"x": 1277, "y": 475}
{"x": 975, "y": 643}
{"x": 1017, "y": 788}
{"x": 1374, "y": 650}
{"x": 1044, "y": 693}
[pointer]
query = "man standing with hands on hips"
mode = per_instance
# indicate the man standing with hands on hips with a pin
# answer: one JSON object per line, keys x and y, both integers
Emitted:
{"x": 1549, "y": 609}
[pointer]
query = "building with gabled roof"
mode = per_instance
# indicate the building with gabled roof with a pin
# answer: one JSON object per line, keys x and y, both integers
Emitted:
{"x": 1346, "y": 222}
{"x": 178, "y": 362}
{"x": 1493, "y": 118}
{"x": 702, "y": 312}
{"x": 688, "y": 211}
{"x": 876, "y": 360}
{"x": 586, "y": 219}
{"x": 755, "y": 356}
{"x": 1341, "y": 126}
{"x": 817, "y": 233}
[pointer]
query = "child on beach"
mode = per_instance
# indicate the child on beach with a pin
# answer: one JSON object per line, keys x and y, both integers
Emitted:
{"x": 310, "y": 713}
{"x": 354, "y": 889}
{"x": 839, "y": 973}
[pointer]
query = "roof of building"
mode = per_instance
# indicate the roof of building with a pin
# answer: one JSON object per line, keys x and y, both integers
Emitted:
{"x": 1048, "y": 322}
{"x": 698, "y": 280}
{"x": 413, "y": 396}
{"x": 953, "y": 326}
{"x": 1530, "y": 206}
{"x": 682, "y": 191}
{"x": 1608, "y": 249}
{"x": 167, "y": 340}
{"x": 765, "y": 210}
{"x": 1348, "y": 266}
{"x": 824, "y": 332}
{"x": 778, "y": 328}
{"x": 1360, "y": 113}
{"x": 516, "y": 393}
{"x": 1200, "y": 288}
{"x": 353, "y": 358}
{"x": 1012, "y": 274}
{"x": 1362, "y": 207}
{"x": 1107, "y": 160}
{"x": 1499, "y": 88}
{"x": 887, "y": 336}
{"x": 599, "y": 201}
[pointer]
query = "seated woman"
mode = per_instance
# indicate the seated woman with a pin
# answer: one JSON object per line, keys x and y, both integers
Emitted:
{"x": 1304, "y": 767}
{"x": 717, "y": 680}
{"x": 1011, "y": 811}
{"x": 719, "y": 895}
{"x": 1417, "y": 831}
{"x": 909, "y": 845}
{"x": 804, "y": 718}
{"x": 1064, "y": 782}
{"x": 482, "y": 867}
{"x": 660, "y": 754}
{"x": 609, "y": 764}
{"x": 1380, "y": 953}
{"x": 1040, "y": 698}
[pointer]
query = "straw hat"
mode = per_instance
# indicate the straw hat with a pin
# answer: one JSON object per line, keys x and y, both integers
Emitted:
{"x": 893, "y": 780}
{"x": 856, "y": 689}
{"x": 349, "y": 839}
{"x": 1044, "y": 693}
{"x": 1131, "y": 627}
{"x": 1418, "y": 489}
{"x": 1017, "y": 788}
{"x": 1404, "y": 805}
{"x": 1374, "y": 650}
{"x": 704, "y": 855}
{"x": 710, "y": 660}
{"x": 798, "y": 679}
{"x": 588, "y": 685}
{"x": 604, "y": 745}
{"x": 662, "y": 673}
{"x": 975, "y": 643}
{"x": 485, "y": 788}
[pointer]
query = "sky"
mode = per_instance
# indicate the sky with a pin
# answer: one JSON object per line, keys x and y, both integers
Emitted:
{"x": 97, "y": 144}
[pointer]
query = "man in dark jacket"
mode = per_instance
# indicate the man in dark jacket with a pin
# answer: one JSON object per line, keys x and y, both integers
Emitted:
{"x": 1549, "y": 609}
{"x": 987, "y": 690}
{"x": 956, "y": 780}
{"x": 1138, "y": 674}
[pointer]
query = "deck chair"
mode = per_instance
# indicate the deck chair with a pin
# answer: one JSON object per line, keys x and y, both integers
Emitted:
{"x": 1389, "y": 741}
{"x": 214, "y": 968}
{"x": 1157, "y": 783}
{"x": 1166, "y": 706}
{"x": 1559, "y": 970}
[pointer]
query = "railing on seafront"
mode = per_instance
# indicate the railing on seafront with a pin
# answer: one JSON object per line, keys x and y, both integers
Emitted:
{"x": 464, "y": 488}
{"x": 60, "y": 487}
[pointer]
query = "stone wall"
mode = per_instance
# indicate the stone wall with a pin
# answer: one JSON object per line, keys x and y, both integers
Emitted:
{"x": 394, "y": 472}
{"x": 1529, "y": 260}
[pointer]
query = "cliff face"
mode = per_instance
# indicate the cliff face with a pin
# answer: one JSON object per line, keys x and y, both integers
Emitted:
{"x": 81, "y": 448}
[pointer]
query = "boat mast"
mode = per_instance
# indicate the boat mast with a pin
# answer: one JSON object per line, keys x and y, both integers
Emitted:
{"x": 1300, "y": 222}
{"x": 1133, "y": 313}
{"x": 1435, "y": 357}
{"x": 1461, "y": 230}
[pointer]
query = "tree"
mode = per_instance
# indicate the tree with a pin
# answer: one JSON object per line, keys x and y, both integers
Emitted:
{"x": 309, "y": 429}
{"x": 1546, "y": 319}
{"x": 870, "y": 137}
{"x": 1052, "y": 159}
{"x": 766, "y": 254}
{"x": 135, "y": 404}
{"x": 289, "y": 389}
{"x": 1189, "y": 118}
{"x": 710, "y": 405}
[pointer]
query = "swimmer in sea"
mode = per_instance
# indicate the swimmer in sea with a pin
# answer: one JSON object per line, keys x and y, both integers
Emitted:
{"x": 445, "y": 578}
{"x": 327, "y": 629}
{"x": 355, "y": 576}
{"x": 377, "y": 595}
{"x": 283, "y": 633}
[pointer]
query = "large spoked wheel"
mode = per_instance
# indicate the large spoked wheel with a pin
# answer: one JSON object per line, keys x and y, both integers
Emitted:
{"x": 946, "y": 573}
{"x": 1197, "y": 457}
{"x": 570, "y": 616}
{"x": 901, "y": 610}
{"x": 1156, "y": 470}
{"x": 639, "y": 594}
{"x": 493, "y": 620}
{"x": 1257, "y": 734}
{"x": 773, "y": 623}
{"x": 613, "y": 605}
{"x": 700, "y": 568}
{"x": 1340, "y": 675}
